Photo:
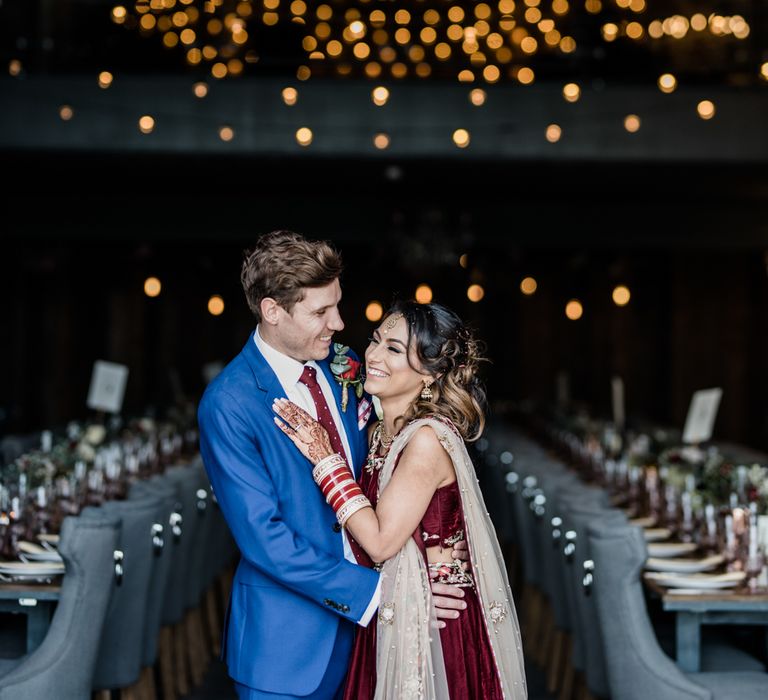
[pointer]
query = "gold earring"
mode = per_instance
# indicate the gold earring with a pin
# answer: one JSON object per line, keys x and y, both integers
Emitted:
{"x": 426, "y": 392}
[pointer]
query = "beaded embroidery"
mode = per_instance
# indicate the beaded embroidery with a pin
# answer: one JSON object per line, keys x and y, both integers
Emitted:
{"x": 387, "y": 613}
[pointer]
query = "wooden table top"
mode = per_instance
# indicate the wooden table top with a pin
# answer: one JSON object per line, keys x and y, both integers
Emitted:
{"x": 39, "y": 591}
{"x": 725, "y": 599}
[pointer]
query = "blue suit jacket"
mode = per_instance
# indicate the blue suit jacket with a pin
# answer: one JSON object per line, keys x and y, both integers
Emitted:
{"x": 293, "y": 586}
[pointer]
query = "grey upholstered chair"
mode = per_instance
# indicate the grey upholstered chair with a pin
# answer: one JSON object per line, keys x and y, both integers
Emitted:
{"x": 165, "y": 494}
{"x": 62, "y": 666}
{"x": 577, "y": 513}
{"x": 122, "y": 640}
{"x": 637, "y": 667}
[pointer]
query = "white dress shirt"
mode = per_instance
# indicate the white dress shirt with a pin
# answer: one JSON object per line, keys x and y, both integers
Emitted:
{"x": 288, "y": 373}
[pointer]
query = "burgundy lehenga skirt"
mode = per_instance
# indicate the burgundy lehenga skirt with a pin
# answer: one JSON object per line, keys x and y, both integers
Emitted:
{"x": 469, "y": 665}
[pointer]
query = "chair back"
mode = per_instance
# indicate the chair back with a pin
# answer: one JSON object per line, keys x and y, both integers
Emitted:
{"x": 160, "y": 539}
{"x": 63, "y": 665}
{"x": 122, "y": 641}
{"x": 636, "y": 666}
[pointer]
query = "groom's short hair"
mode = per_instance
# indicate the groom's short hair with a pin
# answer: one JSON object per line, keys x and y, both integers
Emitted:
{"x": 282, "y": 265}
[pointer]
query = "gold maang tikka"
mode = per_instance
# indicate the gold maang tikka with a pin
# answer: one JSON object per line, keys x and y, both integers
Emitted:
{"x": 391, "y": 323}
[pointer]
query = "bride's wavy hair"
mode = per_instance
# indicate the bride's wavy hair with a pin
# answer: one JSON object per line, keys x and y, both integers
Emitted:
{"x": 448, "y": 351}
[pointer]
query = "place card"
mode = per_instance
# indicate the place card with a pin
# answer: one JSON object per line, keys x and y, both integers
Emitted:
{"x": 617, "y": 402}
{"x": 701, "y": 415}
{"x": 107, "y": 388}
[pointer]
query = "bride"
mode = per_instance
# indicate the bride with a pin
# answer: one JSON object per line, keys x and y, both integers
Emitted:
{"x": 417, "y": 497}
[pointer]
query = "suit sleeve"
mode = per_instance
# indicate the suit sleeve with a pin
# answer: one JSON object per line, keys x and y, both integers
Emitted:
{"x": 250, "y": 505}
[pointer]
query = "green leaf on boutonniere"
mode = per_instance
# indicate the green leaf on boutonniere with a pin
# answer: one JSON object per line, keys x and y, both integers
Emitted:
{"x": 359, "y": 389}
{"x": 341, "y": 360}
{"x": 338, "y": 367}
{"x": 340, "y": 349}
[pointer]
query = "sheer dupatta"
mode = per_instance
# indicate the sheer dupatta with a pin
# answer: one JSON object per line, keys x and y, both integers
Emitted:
{"x": 409, "y": 658}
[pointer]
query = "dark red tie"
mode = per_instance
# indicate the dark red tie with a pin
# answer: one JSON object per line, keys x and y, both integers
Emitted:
{"x": 309, "y": 379}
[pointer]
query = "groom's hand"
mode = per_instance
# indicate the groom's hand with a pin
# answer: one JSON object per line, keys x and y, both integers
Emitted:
{"x": 447, "y": 600}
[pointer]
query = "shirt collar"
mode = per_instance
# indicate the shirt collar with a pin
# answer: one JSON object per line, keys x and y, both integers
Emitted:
{"x": 287, "y": 369}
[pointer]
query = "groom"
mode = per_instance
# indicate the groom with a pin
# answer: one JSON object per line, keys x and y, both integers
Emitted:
{"x": 298, "y": 591}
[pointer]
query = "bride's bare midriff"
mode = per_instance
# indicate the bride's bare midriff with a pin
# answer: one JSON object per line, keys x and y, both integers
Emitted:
{"x": 439, "y": 555}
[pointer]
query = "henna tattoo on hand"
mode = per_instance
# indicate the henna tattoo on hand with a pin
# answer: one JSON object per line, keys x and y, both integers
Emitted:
{"x": 306, "y": 433}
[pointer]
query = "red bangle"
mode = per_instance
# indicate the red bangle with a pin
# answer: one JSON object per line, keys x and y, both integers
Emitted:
{"x": 338, "y": 490}
{"x": 344, "y": 495}
{"x": 334, "y": 477}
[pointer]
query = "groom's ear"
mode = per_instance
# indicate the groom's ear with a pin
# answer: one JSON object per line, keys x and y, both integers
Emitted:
{"x": 270, "y": 311}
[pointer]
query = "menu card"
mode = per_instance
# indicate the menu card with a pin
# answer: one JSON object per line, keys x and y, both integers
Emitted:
{"x": 701, "y": 415}
{"x": 107, "y": 388}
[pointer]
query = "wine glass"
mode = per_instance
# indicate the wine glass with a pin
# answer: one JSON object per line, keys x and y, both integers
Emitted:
{"x": 753, "y": 567}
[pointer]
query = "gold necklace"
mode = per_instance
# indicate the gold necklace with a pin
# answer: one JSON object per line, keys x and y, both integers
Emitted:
{"x": 385, "y": 438}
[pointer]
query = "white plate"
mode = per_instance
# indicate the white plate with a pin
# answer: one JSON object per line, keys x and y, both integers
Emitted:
{"x": 697, "y": 581}
{"x": 50, "y": 539}
{"x": 34, "y": 552}
{"x": 661, "y": 550}
{"x": 32, "y": 568}
{"x": 648, "y": 521}
{"x": 695, "y": 591}
{"x": 657, "y": 533}
{"x": 685, "y": 566}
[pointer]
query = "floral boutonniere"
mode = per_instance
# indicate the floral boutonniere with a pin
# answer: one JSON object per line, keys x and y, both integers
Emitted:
{"x": 347, "y": 373}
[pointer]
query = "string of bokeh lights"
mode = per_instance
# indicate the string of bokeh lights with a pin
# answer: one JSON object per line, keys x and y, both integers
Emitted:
{"x": 482, "y": 41}
{"x": 374, "y": 310}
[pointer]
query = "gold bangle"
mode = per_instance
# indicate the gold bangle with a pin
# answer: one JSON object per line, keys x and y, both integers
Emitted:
{"x": 326, "y": 465}
{"x": 351, "y": 507}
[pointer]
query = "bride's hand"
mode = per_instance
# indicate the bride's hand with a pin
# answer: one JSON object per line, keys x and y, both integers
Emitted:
{"x": 306, "y": 433}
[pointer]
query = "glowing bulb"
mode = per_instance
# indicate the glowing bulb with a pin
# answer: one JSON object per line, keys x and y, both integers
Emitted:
{"x": 380, "y": 95}
{"x": 574, "y": 310}
{"x": 632, "y": 123}
{"x": 304, "y": 136}
{"x": 553, "y": 133}
{"x": 374, "y": 311}
{"x": 200, "y": 89}
{"x": 477, "y": 97}
{"x": 66, "y": 112}
{"x": 226, "y": 133}
{"x": 461, "y": 138}
{"x": 215, "y": 305}
{"x": 381, "y": 141}
{"x": 571, "y": 92}
{"x": 528, "y": 286}
{"x": 464, "y": 260}
{"x": 290, "y": 96}
{"x": 667, "y": 83}
{"x": 146, "y": 124}
{"x": 621, "y": 295}
{"x": 423, "y": 294}
{"x": 706, "y": 109}
{"x": 475, "y": 292}
{"x": 105, "y": 79}
{"x": 152, "y": 287}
